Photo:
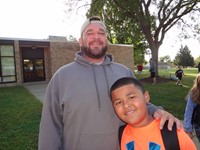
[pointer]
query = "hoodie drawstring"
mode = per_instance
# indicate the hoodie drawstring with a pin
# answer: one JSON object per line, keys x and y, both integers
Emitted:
{"x": 104, "y": 69}
{"x": 95, "y": 81}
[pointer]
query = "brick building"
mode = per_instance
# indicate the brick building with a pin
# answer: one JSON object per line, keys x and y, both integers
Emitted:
{"x": 28, "y": 60}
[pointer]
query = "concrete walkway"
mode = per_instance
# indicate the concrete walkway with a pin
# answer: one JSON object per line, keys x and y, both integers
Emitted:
{"x": 38, "y": 90}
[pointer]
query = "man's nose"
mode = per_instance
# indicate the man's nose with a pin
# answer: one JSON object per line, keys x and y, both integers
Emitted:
{"x": 96, "y": 36}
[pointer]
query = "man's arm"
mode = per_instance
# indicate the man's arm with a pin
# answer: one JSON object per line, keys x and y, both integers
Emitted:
{"x": 50, "y": 134}
{"x": 164, "y": 116}
{"x": 159, "y": 113}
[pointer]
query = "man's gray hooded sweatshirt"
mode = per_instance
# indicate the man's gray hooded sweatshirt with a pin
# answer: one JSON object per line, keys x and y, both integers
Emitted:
{"x": 77, "y": 111}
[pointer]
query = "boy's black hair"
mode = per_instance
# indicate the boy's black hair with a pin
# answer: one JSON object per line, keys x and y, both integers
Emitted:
{"x": 126, "y": 81}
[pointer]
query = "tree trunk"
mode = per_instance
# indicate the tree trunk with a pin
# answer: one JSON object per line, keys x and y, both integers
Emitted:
{"x": 154, "y": 54}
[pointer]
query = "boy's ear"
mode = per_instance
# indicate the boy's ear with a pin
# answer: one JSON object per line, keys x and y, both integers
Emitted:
{"x": 147, "y": 96}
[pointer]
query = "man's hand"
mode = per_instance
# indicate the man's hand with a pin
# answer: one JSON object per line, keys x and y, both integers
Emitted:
{"x": 164, "y": 116}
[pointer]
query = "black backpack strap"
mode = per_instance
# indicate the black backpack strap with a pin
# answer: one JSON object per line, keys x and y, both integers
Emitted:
{"x": 121, "y": 130}
{"x": 170, "y": 138}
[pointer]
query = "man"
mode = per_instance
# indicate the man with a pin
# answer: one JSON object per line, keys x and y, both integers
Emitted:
{"x": 77, "y": 112}
{"x": 153, "y": 70}
{"x": 199, "y": 67}
{"x": 140, "y": 68}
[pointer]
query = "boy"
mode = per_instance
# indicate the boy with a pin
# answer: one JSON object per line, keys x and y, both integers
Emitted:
{"x": 140, "y": 68}
{"x": 179, "y": 73}
{"x": 142, "y": 131}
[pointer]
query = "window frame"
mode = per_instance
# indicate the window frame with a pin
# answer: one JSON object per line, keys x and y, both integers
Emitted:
{"x": 3, "y": 77}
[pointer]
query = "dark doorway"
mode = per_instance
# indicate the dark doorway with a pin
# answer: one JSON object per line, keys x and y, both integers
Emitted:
{"x": 33, "y": 64}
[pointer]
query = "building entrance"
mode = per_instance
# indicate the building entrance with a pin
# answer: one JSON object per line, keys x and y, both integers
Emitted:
{"x": 33, "y": 64}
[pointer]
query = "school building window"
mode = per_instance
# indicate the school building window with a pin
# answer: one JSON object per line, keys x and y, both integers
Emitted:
{"x": 7, "y": 64}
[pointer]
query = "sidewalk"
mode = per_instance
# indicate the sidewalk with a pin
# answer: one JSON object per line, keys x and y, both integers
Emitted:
{"x": 38, "y": 90}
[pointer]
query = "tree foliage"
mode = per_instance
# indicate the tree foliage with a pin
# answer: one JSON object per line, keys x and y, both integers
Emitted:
{"x": 184, "y": 58}
{"x": 165, "y": 59}
{"x": 71, "y": 38}
{"x": 197, "y": 61}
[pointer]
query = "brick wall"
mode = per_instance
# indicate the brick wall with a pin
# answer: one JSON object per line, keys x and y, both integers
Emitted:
{"x": 63, "y": 53}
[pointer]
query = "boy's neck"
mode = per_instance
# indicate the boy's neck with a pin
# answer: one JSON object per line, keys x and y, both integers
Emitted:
{"x": 148, "y": 120}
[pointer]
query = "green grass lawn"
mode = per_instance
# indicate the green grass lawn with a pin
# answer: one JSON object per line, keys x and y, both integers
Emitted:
{"x": 20, "y": 111}
{"x": 20, "y": 115}
{"x": 168, "y": 95}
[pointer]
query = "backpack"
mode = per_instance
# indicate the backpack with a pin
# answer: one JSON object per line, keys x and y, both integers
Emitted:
{"x": 196, "y": 115}
{"x": 170, "y": 138}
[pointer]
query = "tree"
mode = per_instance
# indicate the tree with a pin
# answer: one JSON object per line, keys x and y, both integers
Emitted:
{"x": 145, "y": 20}
{"x": 197, "y": 61}
{"x": 184, "y": 58}
{"x": 165, "y": 59}
{"x": 120, "y": 28}
{"x": 71, "y": 38}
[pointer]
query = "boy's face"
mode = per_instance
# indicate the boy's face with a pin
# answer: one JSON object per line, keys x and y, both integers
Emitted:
{"x": 130, "y": 105}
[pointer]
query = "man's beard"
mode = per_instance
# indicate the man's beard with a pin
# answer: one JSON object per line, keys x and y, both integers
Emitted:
{"x": 88, "y": 52}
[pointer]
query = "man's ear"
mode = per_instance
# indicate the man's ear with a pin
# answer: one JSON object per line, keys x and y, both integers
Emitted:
{"x": 147, "y": 96}
{"x": 80, "y": 42}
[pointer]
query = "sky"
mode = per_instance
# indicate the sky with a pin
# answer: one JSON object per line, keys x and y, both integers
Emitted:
{"x": 37, "y": 19}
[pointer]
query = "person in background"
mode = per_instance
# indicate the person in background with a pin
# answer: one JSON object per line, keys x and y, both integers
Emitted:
{"x": 179, "y": 74}
{"x": 142, "y": 131}
{"x": 139, "y": 68}
{"x": 199, "y": 67}
{"x": 193, "y": 99}
{"x": 77, "y": 111}
{"x": 153, "y": 70}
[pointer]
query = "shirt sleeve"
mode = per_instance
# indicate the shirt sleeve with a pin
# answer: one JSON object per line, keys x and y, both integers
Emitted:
{"x": 188, "y": 114}
{"x": 152, "y": 108}
{"x": 50, "y": 134}
{"x": 185, "y": 141}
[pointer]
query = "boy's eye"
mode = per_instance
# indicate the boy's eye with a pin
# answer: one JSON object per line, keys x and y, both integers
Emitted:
{"x": 118, "y": 103}
{"x": 132, "y": 97}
